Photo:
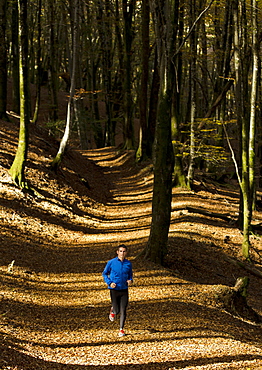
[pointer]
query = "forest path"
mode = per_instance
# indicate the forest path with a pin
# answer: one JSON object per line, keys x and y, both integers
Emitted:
{"x": 57, "y": 318}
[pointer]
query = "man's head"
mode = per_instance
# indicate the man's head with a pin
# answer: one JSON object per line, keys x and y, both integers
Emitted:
{"x": 122, "y": 251}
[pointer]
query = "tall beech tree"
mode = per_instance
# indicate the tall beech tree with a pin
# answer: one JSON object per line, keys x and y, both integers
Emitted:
{"x": 192, "y": 94}
{"x": 38, "y": 62}
{"x": 52, "y": 64}
{"x": 152, "y": 105}
{"x": 253, "y": 104}
{"x": 78, "y": 101}
{"x": 246, "y": 120}
{"x": 128, "y": 16}
{"x": 15, "y": 58}
{"x": 17, "y": 169}
{"x": 163, "y": 157}
{"x": 143, "y": 98}
{"x": 239, "y": 56}
{"x": 179, "y": 177}
{"x": 91, "y": 60}
{"x": 69, "y": 118}
{"x": 105, "y": 27}
{"x": 3, "y": 59}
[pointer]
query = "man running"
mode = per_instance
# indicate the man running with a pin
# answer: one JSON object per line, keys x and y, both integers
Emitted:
{"x": 118, "y": 276}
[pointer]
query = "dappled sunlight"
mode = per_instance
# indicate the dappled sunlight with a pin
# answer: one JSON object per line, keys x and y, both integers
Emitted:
{"x": 54, "y": 303}
{"x": 64, "y": 320}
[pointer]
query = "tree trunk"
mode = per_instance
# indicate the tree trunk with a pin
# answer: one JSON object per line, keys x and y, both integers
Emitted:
{"x": 253, "y": 105}
{"x": 105, "y": 32}
{"x": 78, "y": 98}
{"x": 179, "y": 178}
{"x": 81, "y": 121}
{"x": 128, "y": 11}
{"x": 204, "y": 64}
{"x": 162, "y": 189}
{"x": 69, "y": 118}
{"x": 3, "y": 60}
{"x": 143, "y": 105}
{"x": 95, "y": 114}
{"x": 244, "y": 212}
{"x": 163, "y": 150}
{"x": 15, "y": 60}
{"x": 153, "y": 103}
{"x": 193, "y": 47}
{"x": 118, "y": 84}
{"x": 38, "y": 63}
{"x": 53, "y": 109}
{"x": 17, "y": 169}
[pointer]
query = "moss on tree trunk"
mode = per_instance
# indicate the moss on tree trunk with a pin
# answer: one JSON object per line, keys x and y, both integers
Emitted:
{"x": 18, "y": 166}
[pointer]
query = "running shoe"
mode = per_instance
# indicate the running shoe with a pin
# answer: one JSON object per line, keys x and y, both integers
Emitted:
{"x": 121, "y": 333}
{"x": 111, "y": 315}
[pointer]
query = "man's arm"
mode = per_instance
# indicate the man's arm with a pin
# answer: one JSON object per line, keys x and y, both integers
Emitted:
{"x": 106, "y": 274}
{"x": 130, "y": 276}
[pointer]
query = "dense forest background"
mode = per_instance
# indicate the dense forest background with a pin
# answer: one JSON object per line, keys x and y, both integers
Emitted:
{"x": 179, "y": 81}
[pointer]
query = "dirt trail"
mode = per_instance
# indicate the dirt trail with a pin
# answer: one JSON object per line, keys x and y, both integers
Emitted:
{"x": 55, "y": 307}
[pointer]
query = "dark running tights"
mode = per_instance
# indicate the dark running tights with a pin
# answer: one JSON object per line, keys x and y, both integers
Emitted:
{"x": 119, "y": 299}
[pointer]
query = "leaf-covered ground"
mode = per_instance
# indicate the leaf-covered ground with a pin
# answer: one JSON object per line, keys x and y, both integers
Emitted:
{"x": 54, "y": 303}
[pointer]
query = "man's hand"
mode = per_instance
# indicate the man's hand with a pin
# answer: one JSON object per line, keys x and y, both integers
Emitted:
{"x": 112, "y": 285}
{"x": 129, "y": 282}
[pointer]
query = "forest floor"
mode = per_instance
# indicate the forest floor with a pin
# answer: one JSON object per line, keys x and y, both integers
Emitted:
{"x": 54, "y": 246}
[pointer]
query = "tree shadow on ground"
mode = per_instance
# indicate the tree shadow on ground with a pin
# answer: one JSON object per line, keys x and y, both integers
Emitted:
{"x": 179, "y": 320}
{"x": 200, "y": 262}
{"x": 13, "y": 359}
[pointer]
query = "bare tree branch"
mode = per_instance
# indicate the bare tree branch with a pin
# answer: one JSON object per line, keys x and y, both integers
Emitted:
{"x": 193, "y": 26}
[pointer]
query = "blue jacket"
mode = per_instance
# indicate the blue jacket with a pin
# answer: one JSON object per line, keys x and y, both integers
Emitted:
{"x": 118, "y": 272}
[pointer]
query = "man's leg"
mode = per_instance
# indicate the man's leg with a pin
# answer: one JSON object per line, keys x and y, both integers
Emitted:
{"x": 114, "y": 294}
{"x": 123, "y": 307}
